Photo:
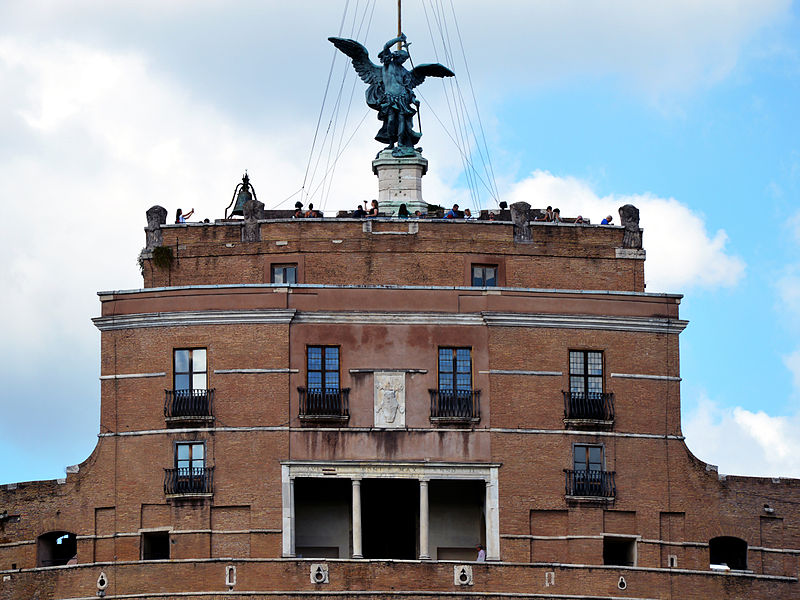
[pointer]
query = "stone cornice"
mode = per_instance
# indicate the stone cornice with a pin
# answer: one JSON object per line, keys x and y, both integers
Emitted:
{"x": 205, "y": 317}
{"x": 389, "y": 318}
{"x": 637, "y": 324}
{"x": 286, "y": 316}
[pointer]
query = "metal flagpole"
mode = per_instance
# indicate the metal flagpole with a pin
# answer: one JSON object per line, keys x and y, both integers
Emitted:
{"x": 399, "y": 22}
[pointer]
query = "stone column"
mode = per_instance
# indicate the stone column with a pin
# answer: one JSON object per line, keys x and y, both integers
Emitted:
{"x": 492, "y": 517}
{"x": 287, "y": 489}
{"x": 400, "y": 182}
{"x": 423, "y": 520}
{"x": 357, "y": 552}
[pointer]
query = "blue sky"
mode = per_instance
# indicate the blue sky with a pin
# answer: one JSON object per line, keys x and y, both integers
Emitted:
{"x": 687, "y": 109}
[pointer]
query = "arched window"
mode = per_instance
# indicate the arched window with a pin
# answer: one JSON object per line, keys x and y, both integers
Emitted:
{"x": 729, "y": 551}
{"x": 55, "y": 548}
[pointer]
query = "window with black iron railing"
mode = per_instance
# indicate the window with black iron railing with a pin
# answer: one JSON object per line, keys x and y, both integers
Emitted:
{"x": 455, "y": 405}
{"x": 188, "y": 404}
{"x": 190, "y": 475}
{"x": 588, "y": 476}
{"x": 590, "y": 483}
{"x": 188, "y": 481}
{"x": 454, "y": 399}
{"x": 318, "y": 403}
{"x": 591, "y": 406}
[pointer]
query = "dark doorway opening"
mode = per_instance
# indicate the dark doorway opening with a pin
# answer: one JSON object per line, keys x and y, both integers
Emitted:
{"x": 457, "y": 521}
{"x": 155, "y": 545}
{"x": 728, "y": 551}
{"x": 389, "y": 518}
{"x": 322, "y": 509}
{"x": 56, "y": 548}
{"x": 619, "y": 551}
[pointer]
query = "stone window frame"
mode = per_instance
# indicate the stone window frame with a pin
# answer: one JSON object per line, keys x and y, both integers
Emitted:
{"x": 486, "y": 260}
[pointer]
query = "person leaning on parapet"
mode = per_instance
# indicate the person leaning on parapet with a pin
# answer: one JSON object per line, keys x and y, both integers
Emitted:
{"x": 556, "y": 215}
{"x": 311, "y": 213}
{"x": 373, "y": 209}
{"x": 607, "y": 220}
{"x": 418, "y": 214}
{"x": 579, "y": 220}
{"x": 481, "y": 553}
{"x": 468, "y": 214}
{"x": 359, "y": 212}
{"x": 548, "y": 215}
{"x": 402, "y": 212}
{"x": 452, "y": 213}
{"x": 180, "y": 217}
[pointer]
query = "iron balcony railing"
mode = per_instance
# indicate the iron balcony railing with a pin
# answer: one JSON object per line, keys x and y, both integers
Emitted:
{"x": 316, "y": 403}
{"x": 188, "y": 480}
{"x": 599, "y": 484}
{"x": 595, "y": 406}
{"x": 456, "y": 405}
{"x": 188, "y": 404}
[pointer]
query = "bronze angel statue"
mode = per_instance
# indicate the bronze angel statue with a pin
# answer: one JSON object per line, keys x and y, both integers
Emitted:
{"x": 391, "y": 90}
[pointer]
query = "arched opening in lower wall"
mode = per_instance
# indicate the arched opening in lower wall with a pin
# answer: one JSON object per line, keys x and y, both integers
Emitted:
{"x": 56, "y": 548}
{"x": 728, "y": 551}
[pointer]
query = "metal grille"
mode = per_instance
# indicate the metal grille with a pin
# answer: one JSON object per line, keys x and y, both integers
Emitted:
{"x": 461, "y": 405}
{"x": 324, "y": 404}
{"x": 588, "y": 482}
{"x": 598, "y": 407}
{"x": 188, "y": 403}
{"x": 188, "y": 480}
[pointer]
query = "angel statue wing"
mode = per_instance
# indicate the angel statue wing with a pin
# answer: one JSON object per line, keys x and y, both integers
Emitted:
{"x": 419, "y": 73}
{"x": 368, "y": 71}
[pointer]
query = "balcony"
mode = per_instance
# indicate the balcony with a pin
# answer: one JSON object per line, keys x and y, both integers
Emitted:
{"x": 590, "y": 485}
{"x": 455, "y": 406}
{"x": 189, "y": 482}
{"x": 188, "y": 406}
{"x": 324, "y": 405}
{"x": 592, "y": 410}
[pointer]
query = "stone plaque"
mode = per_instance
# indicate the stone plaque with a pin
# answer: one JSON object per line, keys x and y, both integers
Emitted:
{"x": 390, "y": 399}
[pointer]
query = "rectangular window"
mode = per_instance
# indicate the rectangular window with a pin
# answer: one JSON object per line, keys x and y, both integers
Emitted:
{"x": 190, "y": 370}
{"x": 284, "y": 274}
{"x": 189, "y": 458}
{"x": 455, "y": 369}
{"x": 588, "y": 458}
{"x": 323, "y": 369}
{"x": 484, "y": 275}
{"x": 586, "y": 374}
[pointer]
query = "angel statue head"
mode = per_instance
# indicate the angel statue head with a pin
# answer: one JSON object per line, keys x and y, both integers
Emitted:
{"x": 391, "y": 90}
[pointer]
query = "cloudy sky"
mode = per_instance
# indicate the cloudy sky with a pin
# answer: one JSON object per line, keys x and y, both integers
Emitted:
{"x": 685, "y": 108}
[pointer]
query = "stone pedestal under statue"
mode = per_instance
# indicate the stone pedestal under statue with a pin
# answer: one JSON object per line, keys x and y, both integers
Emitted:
{"x": 400, "y": 182}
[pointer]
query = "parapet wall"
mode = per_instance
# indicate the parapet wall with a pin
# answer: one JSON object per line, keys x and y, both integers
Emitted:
{"x": 396, "y": 252}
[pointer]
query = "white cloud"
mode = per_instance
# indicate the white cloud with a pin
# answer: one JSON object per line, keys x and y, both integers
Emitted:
{"x": 741, "y": 442}
{"x": 681, "y": 252}
{"x": 655, "y": 47}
